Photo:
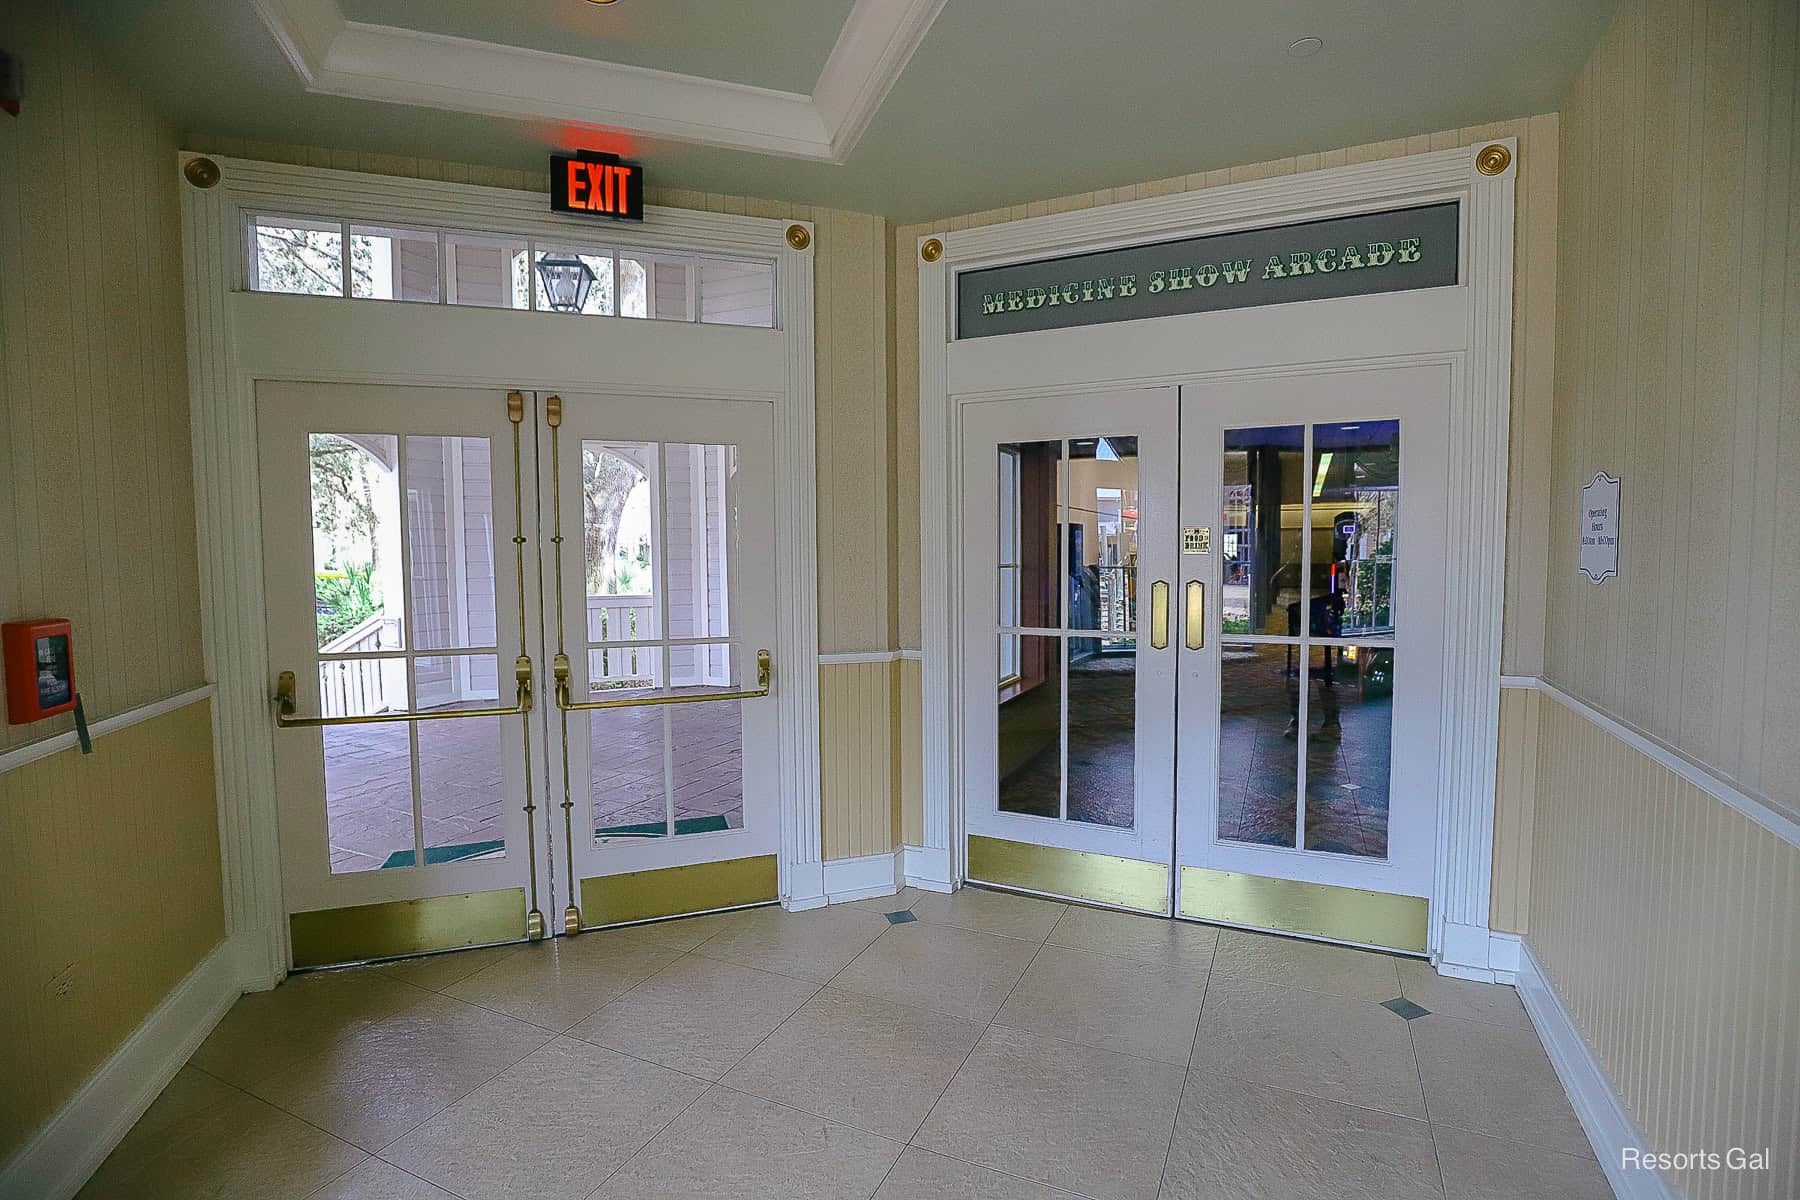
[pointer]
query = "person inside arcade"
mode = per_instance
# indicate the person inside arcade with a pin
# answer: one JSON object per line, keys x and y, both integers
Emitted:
{"x": 1325, "y": 619}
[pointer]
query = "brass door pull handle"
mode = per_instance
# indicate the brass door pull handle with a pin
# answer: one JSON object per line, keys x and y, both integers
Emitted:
{"x": 1159, "y": 614}
{"x": 565, "y": 701}
{"x": 1196, "y": 615}
{"x": 285, "y": 718}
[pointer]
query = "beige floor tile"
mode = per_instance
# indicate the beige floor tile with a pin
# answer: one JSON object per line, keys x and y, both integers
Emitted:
{"x": 1251, "y": 1142}
{"x": 190, "y": 1093}
{"x": 435, "y": 972}
{"x": 239, "y": 1149}
{"x": 378, "y": 1180}
{"x": 1492, "y": 1002}
{"x": 991, "y": 912}
{"x": 1478, "y": 1167}
{"x": 810, "y": 945}
{"x": 1074, "y": 1117}
{"x": 730, "y": 1146}
{"x": 1497, "y": 1080}
{"x": 269, "y": 1032}
{"x": 698, "y": 1015}
{"x": 1145, "y": 1008}
{"x": 683, "y": 933}
{"x": 385, "y": 1079}
{"x": 1332, "y": 1047}
{"x": 1316, "y": 966}
{"x": 900, "y": 901}
{"x": 551, "y": 1127}
{"x": 922, "y": 1175}
{"x": 866, "y": 1062}
{"x": 555, "y": 984}
{"x": 941, "y": 967}
{"x": 1129, "y": 935}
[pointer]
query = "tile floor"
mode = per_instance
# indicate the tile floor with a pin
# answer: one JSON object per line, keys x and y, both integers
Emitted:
{"x": 995, "y": 1046}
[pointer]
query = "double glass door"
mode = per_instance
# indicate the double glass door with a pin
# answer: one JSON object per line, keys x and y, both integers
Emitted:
{"x": 1215, "y": 629}
{"x": 520, "y": 647}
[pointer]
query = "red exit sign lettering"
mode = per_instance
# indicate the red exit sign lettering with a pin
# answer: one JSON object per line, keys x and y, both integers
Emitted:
{"x": 597, "y": 185}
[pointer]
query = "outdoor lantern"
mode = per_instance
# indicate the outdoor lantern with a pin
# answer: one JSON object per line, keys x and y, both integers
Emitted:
{"x": 566, "y": 282}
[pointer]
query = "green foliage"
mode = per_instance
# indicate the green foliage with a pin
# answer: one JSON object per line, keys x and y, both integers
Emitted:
{"x": 345, "y": 599}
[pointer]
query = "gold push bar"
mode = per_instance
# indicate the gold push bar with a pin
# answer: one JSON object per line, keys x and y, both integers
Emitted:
{"x": 1159, "y": 614}
{"x": 1196, "y": 615}
{"x": 284, "y": 706}
{"x": 561, "y": 667}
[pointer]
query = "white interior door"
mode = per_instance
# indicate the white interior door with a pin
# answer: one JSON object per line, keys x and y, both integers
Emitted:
{"x": 1309, "y": 708}
{"x": 393, "y": 587}
{"x": 1068, "y": 526}
{"x": 667, "y": 591}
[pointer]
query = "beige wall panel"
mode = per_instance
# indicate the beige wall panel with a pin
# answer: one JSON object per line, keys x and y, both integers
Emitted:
{"x": 1534, "y": 352}
{"x": 1678, "y": 371}
{"x": 1666, "y": 923}
{"x": 96, "y": 490}
{"x": 110, "y": 893}
{"x": 854, "y": 463}
{"x": 856, "y": 758}
{"x": 1515, "y": 807}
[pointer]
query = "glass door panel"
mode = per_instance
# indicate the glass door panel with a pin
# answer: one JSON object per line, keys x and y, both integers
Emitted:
{"x": 393, "y": 616}
{"x": 1303, "y": 781}
{"x": 666, "y": 607}
{"x": 1069, "y": 506}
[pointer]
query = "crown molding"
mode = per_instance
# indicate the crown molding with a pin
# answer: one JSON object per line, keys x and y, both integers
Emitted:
{"x": 334, "y": 56}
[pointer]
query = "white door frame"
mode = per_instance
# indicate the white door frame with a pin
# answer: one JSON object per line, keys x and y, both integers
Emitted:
{"x": 1470, "y": 325}
{"x": 236, "y": 337}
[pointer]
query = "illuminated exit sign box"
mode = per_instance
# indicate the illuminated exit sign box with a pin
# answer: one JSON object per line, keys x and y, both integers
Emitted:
{"x": 596, "y": 185}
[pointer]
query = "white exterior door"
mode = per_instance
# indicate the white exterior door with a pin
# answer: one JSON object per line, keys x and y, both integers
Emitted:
{"x": 1312, "y": 637}
{"x": 1069, "y": 507}
{"x": 394, "y": 588}
{"x": 665, "y": 574}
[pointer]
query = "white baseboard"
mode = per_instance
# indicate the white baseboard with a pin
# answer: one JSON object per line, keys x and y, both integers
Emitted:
{"x": 1465, "y": 952}
{"x": 1602, "y": 1114}
{"x": 803, "y": 886}
{"x": 860, "y": 878}
{"x": 927, "y": 868}
{"x": 71, "y": 1146}
{"x": 1503, "y": 956}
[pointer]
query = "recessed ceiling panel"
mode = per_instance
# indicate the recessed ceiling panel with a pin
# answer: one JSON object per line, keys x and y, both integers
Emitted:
{"x": 782, "y": 46}
{"x": 1004, "y": 100}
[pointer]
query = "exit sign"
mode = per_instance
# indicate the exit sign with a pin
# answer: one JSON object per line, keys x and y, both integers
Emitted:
{"x": 597, "y": 185}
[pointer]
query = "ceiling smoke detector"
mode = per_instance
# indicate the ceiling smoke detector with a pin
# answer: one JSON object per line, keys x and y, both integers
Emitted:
{"x": 1306, "y": 47}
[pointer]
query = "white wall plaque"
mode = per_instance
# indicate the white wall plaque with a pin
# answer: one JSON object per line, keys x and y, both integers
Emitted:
{"x": 1599, "y": 556}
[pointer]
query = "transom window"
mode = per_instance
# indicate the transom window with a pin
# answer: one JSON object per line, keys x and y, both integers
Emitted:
{"x": 321, "y": 257}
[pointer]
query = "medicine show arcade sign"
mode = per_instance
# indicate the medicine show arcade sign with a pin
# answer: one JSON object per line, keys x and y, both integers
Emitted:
{"x": 1392, "y": 251}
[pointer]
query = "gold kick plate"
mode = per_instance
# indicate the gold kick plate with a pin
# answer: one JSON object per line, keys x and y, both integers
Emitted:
{"x": 764, "y": 672}
{"x": 1196, "y": 615}
{"x": 284, "y": 706}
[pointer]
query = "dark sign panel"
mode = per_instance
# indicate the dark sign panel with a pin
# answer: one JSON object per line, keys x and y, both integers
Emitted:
{"x": 597, "y": 185}
{"x": 1319, "y": 260}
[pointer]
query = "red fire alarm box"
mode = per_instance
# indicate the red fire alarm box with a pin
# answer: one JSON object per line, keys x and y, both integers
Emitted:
{"x": 40, "y": 669}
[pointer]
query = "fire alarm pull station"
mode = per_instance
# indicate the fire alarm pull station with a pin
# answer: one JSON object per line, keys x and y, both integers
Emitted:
{"x": 40, "y": 673}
